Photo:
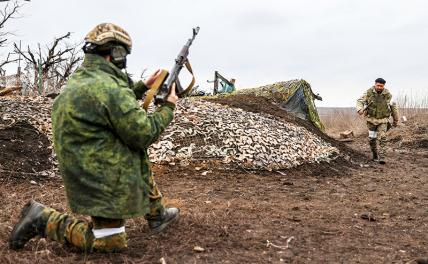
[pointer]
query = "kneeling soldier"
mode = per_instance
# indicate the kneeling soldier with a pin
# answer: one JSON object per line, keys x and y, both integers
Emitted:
{"x": 101, "y": 136}
{"x": 376, "y": 105}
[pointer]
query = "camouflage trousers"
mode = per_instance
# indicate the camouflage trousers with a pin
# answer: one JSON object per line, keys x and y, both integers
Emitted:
{"x": 69, "y": 230}
{"x": 377, "y": 133}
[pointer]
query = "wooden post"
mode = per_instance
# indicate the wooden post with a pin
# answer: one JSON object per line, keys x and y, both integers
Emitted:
{"x": 215, "y": 82}
{"x": 39, "y": 73}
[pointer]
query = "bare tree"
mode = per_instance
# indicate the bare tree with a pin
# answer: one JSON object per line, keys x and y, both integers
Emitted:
{"x": 10, "y": 11}
{"x": 53, "y": 64}
{"x": 5, "y": 62}
{"x": 68, "y": 66}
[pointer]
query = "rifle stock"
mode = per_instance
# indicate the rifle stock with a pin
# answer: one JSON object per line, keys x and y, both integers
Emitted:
{"x": 161, "y": 88}
{"x": 154, "y": 89}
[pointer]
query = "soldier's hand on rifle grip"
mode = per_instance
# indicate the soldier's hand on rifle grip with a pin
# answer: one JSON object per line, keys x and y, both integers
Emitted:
{"x": 172, "y": 96}
{"x": 360, "y": 112}
{"x": 152, "y": 78}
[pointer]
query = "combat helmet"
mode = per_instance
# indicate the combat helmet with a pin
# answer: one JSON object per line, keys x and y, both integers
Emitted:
{"x": 108, "y": 32}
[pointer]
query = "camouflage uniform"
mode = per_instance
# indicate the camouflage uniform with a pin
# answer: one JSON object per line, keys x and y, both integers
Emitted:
{"x": 70, "y": 230}
{"x": 101, "y": 137}
{"x": 379, "y": 109}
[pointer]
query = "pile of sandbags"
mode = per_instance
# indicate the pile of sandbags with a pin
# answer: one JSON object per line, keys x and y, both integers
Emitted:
{"x": 203, "y": 130}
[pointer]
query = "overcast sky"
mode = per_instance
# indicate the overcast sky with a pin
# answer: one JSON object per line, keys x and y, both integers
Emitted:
{"x": 338, "y": 46}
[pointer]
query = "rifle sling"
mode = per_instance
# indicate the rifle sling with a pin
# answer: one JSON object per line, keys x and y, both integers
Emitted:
{"x": 151, "y": 93}
{"x": 192, "y": 83}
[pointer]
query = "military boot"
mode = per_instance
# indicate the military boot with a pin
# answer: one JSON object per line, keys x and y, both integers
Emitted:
{"x": 381, "y": 160}
{"x": 373, "y": 148}
{"x": 32, "y": 222}
{"x": 375, "y": 156}
{"x": 166, "y": 217}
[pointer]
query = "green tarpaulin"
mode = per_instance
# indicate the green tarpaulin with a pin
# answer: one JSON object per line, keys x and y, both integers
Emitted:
{"x": 295, "y": 97}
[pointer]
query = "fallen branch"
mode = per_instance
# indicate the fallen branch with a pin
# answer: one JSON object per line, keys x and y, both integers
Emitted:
{"x": 8, "y": 90}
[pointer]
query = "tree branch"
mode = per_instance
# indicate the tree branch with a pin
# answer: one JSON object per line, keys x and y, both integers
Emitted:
{"x": 7, "y": 61}
{"x": 58, "y": 61}
{"x": 6, "y": 14}
{"x": 29, "y": 58}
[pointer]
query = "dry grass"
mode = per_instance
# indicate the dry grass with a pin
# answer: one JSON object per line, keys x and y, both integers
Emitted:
{"x": 336, "y": 120}
{"x": 412, "y": 104}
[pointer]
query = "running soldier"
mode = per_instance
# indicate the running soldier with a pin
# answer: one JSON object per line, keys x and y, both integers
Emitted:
{"x": 376, "y": 105}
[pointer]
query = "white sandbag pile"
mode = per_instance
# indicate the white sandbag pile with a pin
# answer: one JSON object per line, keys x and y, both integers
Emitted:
{"x": 204, "y": 130}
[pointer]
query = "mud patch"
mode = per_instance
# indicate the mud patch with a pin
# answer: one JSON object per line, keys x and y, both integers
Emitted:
{"x": 417, "y": 143}
{"x": 23, "y": 149}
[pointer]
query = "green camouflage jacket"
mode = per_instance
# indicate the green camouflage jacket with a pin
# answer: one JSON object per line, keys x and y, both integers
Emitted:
{"x": 101, "y": 137}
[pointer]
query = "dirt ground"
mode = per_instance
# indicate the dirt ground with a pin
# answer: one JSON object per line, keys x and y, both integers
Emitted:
{"x": 23, "y": 149}
{"x": 349, "y": 211}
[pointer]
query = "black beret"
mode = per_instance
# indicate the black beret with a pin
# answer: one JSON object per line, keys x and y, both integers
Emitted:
{"x": 380, "y": 80}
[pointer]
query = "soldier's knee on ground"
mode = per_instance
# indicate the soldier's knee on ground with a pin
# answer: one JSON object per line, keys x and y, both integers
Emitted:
{"x": 110, "y": 244}
{"x": 100, "y": 235}
{"x": 67, "y": 229}
{"x": 109, "y": 235}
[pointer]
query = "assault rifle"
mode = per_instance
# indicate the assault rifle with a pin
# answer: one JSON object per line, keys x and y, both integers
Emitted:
{"x": 160, "y": 89}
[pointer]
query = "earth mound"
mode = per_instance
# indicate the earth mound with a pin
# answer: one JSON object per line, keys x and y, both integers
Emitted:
{"x": 412, "y": 135}
{"x": 23, "y": 149}
{"x": 25, "y": 145}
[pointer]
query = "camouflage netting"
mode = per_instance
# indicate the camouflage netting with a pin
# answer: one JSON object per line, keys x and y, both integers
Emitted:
{"x": 294, "y": 96}
{"x": 203, "y": 130}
